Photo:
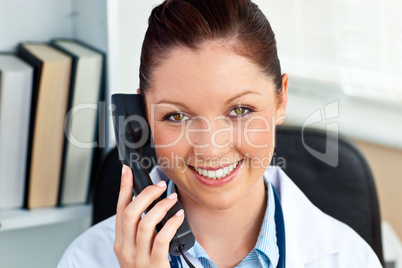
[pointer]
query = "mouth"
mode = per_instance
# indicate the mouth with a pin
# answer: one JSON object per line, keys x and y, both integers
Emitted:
{"x": 217, "y": 176}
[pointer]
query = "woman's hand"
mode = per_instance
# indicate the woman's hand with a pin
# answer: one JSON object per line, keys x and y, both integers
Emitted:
{"x": 136, "y": 242}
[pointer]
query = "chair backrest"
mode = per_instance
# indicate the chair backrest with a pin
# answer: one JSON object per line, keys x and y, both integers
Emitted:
{"x": 343, "y": 188}
{"x": 345, "y": 191}
{"x": 106, "y": 187}
{"x": 107, "y": 183}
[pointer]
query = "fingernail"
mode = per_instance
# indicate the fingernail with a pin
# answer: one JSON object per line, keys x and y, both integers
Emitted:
{"x": 172, "y": 196}
{"x": 123, "y": 170}
{"x": 161, "y": 184}
{"x": 180, "y": 212}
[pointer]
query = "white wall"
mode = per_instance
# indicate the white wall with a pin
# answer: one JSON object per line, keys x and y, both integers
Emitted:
{"x": 38, "y": 20}
{"x": 40, "y": 246}
{"x": 90, "y": 22}
{"x": 127, "y": 24}
{"x": 125, "y": 37}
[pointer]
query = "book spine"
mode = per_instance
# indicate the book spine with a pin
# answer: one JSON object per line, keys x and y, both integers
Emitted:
{"x": 37, "y": 64}
{"x": 97, "y": 152}
{"x": 15, "y": 91}
{"x": 68, "y": 120}
{"x": 100, "y": 126}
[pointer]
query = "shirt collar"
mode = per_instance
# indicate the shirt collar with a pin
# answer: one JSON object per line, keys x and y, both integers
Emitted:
{"x": 266, "y": 245}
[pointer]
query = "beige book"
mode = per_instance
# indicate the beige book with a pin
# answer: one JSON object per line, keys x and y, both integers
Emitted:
{"x": 52, "y": 82}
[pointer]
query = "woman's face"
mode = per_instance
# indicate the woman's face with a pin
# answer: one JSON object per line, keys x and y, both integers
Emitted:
{"x": 211, "y": 109}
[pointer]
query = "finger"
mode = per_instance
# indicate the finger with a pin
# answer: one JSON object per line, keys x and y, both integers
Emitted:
{"x": 146, "y": 227}
{"x": 132, "y": 213}
{"x": 125, "y": 197}
{"x": 160, "y": 248}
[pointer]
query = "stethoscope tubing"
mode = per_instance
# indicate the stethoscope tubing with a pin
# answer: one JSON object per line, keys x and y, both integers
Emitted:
{"x": 280, "y": 231}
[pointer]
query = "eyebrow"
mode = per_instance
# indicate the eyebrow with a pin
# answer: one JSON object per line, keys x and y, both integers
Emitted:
{"x": 242, "y": 94}
{"x": 173, "y": 102}
{"x": 227, "y": 102}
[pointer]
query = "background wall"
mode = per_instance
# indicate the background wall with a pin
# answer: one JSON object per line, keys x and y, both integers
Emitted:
{"x": 40, "y": 246}
{"x": 23, "y": 20}
{"x": 386, "y": 164}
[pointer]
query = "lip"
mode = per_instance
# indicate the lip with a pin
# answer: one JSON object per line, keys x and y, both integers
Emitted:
{"x": 217, "y": 182}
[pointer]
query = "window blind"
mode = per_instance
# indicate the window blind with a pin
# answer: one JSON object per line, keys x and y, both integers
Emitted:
{"x": 353, "y": 44}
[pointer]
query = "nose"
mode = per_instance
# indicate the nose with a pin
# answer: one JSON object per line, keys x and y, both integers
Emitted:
{"x": 210, "y": 138}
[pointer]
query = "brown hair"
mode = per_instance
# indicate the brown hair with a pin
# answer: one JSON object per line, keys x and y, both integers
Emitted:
{"x": 238, "y": 23}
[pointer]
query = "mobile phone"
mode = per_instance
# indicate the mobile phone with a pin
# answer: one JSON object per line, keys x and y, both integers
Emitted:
{"x": 133, "y": 134}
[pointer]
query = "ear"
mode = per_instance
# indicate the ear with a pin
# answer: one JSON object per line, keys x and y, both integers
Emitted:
{"x": 282, "y": 101}
{"x": 138, "y": 90}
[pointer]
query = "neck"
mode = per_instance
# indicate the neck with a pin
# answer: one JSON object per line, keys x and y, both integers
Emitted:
{"x": 236, "y": 228}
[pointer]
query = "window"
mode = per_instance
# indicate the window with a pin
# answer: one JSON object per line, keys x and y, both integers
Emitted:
{"x": 354, "y": 46}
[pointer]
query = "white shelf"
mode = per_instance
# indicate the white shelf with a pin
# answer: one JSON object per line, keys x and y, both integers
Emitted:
{"x": 22, "y": 218}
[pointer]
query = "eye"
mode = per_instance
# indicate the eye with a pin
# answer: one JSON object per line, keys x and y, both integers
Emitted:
{"x": 176, "y": 118}
{"x": 240, "y": 112}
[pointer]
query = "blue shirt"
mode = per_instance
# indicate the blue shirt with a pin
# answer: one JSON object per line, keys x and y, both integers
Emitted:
{"x": 264, "y": 254}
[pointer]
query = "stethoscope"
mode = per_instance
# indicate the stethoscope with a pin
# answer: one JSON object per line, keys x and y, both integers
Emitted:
{"x": 280, "y": 232}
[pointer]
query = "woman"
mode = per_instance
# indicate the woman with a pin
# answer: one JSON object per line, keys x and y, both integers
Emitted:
{"x": 214, "y": 93}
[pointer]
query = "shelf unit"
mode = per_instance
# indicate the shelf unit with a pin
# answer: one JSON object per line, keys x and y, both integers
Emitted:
{"x": 51, "y": 228}
{"x": 40, "y": 21}
{"x": 11, "y": 220}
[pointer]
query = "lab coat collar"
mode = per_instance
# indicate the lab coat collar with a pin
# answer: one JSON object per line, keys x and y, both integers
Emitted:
{"x": 305, "y": 240}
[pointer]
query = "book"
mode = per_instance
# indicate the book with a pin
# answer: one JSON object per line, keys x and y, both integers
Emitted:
{"x": 15, "y": 102}
{"x": 82, "y": 120}
{"x": 52, "y": 70}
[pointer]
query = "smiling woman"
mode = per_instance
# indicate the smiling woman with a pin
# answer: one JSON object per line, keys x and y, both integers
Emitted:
{"x": 209, "y": 86}
{"x": 214, "y": 93}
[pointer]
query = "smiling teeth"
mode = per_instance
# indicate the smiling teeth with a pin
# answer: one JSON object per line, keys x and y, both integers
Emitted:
{"x": 216, "y": 174}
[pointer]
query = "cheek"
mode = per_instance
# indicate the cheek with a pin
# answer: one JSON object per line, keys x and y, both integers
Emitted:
{"x": 166, "y": 137}
{"x": 258, "y": 133}
{"x": 169, "y": 146}
{"x": 257, "y": 142}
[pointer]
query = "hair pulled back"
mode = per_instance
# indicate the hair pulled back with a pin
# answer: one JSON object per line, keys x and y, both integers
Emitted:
{"x": 240, "y": 24}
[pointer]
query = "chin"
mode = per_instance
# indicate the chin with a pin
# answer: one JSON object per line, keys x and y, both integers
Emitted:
{"x": 222, "y": 202}
{"x": 219, "y": 206}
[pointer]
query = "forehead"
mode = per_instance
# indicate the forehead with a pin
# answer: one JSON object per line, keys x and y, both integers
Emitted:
{"x": 211, "y": 72}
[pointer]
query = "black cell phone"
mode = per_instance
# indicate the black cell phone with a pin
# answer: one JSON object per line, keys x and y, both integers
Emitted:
{"x": 133, "y": 134}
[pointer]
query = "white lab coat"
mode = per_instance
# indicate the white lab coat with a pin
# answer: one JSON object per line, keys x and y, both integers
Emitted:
{"x": 313, "y": 239}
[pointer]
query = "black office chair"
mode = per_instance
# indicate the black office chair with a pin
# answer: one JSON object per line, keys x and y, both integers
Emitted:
{"x": 107, "y": 183}
{"x": 345, "y": 191}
